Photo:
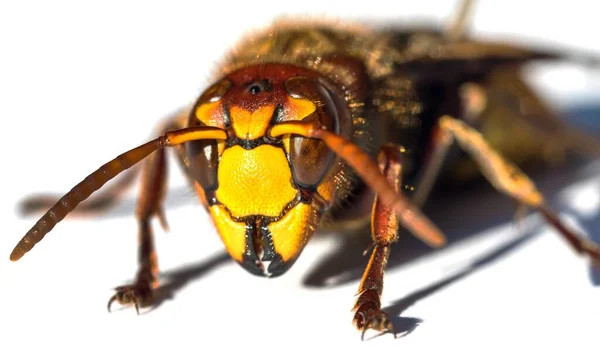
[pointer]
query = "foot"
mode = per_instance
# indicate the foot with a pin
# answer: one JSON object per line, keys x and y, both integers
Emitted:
{"x": 139, "y": 294}
{"x": 369, "y": 315}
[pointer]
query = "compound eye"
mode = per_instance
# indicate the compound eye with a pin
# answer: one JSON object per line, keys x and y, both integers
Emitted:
{"x": 311, "y": 159}
{"x": 203, "y": 156}
{"x": 203, "y": 159}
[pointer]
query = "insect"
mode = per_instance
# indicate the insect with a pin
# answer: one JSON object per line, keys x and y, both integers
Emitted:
{"x": 303, "y": 122}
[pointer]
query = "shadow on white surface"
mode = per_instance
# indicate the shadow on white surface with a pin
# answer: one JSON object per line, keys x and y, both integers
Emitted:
{"x": 175, "y": 280}
{"x": 406, "y": 325}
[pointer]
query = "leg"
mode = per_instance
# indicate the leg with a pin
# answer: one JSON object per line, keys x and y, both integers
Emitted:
{"x": 510, "y": 180}
{"x": 457, "y": 28}
{"x": 473, "y": 104}
{"x": 149, "y": 205}
{"x": 139, "y": 293}
{"x": 368, "y": 313}
{"x": 533, "y": 132}
{"x": 441, "y": 143}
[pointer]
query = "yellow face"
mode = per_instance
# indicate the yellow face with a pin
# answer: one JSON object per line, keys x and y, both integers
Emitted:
{"x": 262, "y": 213}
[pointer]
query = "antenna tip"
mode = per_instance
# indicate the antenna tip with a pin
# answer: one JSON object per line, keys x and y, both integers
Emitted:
{"x": 16, "y": 254}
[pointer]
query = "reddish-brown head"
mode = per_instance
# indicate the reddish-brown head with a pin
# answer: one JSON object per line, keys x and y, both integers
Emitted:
{"x": 266, "y": 194}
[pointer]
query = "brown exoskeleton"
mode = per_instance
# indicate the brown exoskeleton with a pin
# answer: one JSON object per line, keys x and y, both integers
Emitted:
{"x": 303, "y": 118}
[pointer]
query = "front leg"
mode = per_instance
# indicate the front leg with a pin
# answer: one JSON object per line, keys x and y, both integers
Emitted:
{"x": 149, "y": 205}
{"x": 140, "y": 292}
{"x": 384, "y": 225}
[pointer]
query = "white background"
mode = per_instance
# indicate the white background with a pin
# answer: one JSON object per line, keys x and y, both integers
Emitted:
{"x": 81, "y": 83}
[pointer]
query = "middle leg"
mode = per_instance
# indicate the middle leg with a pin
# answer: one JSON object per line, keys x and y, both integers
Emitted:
{"x": 507, "y": 178}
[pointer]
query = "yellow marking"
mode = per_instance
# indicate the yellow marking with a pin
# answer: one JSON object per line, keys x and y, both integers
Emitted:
{"x": 211, "y": 114}
{"x": 251, "y": 125}
{"x": 256, "y": 181}
{"x": 232, "y": 233}
{"x": 503, "y": 175}
{"x": 291, "y": 233}
{"x": 297, "y": 109}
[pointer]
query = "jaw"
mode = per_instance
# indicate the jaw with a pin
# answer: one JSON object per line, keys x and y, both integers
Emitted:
{"x": 260, "y": 264}
{"x": 260, "y": 257}
{"x": 262, "y": 245}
